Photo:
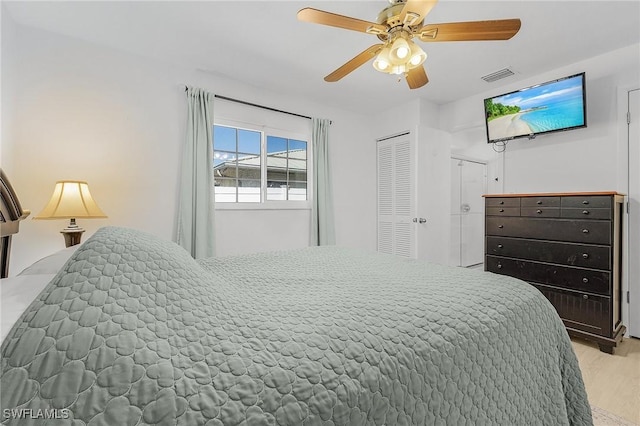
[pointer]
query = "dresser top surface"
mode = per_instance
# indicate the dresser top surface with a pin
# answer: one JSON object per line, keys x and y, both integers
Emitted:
{"x": 553, "y": 194}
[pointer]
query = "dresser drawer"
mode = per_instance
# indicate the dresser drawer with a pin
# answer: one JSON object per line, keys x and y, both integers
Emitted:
{"x": 581, "y": 311}
{"x": 588, "y": 256}
{"x": 576, "y": 231}
{"x": 540, "y": 211}
{"x": 586, "y": 213}
{"x": 567, "y": 277}
{"x": 502, "y": 202}
{"x": 502, "y": 211}
{"x": 597, "y": 201}
{"x": 540, "y": 201}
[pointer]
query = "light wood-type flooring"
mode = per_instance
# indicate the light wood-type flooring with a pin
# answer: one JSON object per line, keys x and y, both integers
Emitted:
{"x": 612, "y": 381}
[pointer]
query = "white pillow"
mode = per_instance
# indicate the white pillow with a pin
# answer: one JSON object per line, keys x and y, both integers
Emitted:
{"x": 50, "y": 264}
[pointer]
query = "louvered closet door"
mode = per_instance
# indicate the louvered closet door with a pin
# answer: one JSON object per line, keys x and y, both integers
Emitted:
{"x": 396, "y": 196}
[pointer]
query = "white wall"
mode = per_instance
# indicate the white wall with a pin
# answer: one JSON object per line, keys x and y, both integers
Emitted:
{"x": 580, "y": 160}
{"x": 117, "y": 120}
{"x": 7, "y": 64}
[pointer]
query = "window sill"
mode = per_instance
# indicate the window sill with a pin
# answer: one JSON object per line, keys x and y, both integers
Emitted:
{"x": 273, "y": 205}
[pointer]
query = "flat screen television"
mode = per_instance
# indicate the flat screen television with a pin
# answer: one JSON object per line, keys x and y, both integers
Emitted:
{"x": 553, "y": 106}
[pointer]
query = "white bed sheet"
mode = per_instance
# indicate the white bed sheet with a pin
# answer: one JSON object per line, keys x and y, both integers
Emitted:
{"x": 17, "y": 293}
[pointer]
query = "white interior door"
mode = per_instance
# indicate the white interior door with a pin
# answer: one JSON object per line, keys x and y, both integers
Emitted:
{"x": 396, "y": 196}
{"x": 634, "y": 213}
{"x": 468, "y": 184}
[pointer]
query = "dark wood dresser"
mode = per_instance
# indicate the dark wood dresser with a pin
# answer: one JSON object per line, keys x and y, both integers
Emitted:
{"x": 569, "y": 246}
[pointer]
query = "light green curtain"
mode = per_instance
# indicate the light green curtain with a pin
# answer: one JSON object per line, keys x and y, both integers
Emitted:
{"x": 196, "y": 211}
{"x": 322, "y": 222}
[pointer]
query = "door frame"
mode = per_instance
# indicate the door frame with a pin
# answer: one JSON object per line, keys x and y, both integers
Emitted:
{"x": 484, "y": 163}
{"x": 625, "y": 163}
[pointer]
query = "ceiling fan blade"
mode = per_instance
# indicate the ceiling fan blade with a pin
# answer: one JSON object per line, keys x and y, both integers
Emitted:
{"x": 414, "y": 11}
{"x": 417, "y": 77}
{"x": 316, "y": 16}
{"x": 501, "y": 29}
{"x": 354, "y": 63}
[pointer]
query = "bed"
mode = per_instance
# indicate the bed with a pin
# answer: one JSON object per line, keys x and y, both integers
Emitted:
{"x": 131, "y": 330}
{"x": 11, "y": 213}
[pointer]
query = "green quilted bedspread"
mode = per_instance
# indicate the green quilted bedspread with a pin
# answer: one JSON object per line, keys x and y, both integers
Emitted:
{"x": 133, "y": 331}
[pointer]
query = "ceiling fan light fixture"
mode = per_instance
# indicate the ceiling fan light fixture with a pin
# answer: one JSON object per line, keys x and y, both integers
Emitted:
{"x": 399, "y": 50}
{"x": 382, "y": 62}
{"x": 390, "y": 63}
{"x": 418, "y": 56}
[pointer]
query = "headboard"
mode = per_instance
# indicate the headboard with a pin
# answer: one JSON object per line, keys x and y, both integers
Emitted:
{"x": 11, "y": 213}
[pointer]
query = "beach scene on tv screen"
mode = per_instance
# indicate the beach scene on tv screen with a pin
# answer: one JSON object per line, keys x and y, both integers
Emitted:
{"x": 544, "y": 108}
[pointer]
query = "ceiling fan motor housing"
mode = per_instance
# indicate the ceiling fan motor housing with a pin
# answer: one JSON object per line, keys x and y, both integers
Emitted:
{"x": 389, "y": 12}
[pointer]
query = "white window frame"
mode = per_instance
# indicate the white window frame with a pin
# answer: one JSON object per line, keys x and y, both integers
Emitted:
{"x": 266, "y": 204}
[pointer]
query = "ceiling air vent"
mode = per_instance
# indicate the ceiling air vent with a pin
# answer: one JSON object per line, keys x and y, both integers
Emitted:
{"x": 494, "y": 76}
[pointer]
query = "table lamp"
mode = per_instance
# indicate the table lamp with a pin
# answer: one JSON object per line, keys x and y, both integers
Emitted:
{"x": 71, "y": 199}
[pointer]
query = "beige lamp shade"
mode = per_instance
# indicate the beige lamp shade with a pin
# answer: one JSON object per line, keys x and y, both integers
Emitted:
{"x": 71, "y": 200}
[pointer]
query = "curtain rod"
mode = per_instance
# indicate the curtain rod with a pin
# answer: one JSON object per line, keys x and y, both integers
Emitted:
{"x": 260, "y": 106}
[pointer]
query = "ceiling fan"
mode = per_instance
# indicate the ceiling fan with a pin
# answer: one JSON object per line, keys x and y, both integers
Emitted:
{"x": 397, "y": 25}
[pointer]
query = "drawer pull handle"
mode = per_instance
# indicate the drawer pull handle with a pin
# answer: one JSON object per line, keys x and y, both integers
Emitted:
{"x": 585, "y": 211}
{"x": 499, "y": 266}
{"x": 585, "y": 255}
{"x": 539, "y": 211}
{"x": 500, "y": 246}
{"x": 501, "y": 202}
{"x": 501, "y": 210}
{"x": 539, "y": 202}
{"x": 500, "y": 226}
{"x": 585, "y": 280}
{"x": 585, "y": 231}
{"x": 584, "y": 296}
{"x": 585, "y": 202}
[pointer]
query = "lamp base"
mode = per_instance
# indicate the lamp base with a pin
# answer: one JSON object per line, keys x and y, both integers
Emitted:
{"x": 72, "y": 237}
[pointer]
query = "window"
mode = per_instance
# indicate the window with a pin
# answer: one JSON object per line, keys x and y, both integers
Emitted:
{"x": 240, "y": 175}
{"x": 286, "y": 169}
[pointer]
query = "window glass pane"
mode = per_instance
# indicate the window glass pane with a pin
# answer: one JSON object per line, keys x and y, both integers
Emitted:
{"x": 275, "y": 144}
{"x": 299, "y": 155}
{"x": 276, "y": 190}
{"x": 249, "y": 173}
{"x": 249, "y": 166}
{"x": 297, "y": 190}
{"x": 248, "y": 191}
{"x": 297, "y": 165}
{"x": 224, "y": 138}
{"x": 224, "y": 182}
{"x": 225, "y": 190}
{"x": 248, "y": 141}
{"x": 224, "y": 161}
{"x": 277, "y": 161}
{"x": 297, "y": 145}
{"x": 297, "y": 175}
{"x": 276, "y": 175}
{"x": 297, "y": 194}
